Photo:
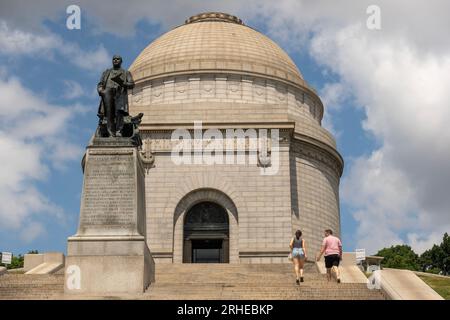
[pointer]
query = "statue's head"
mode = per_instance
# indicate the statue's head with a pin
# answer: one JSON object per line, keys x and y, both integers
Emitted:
{"x": 117, "y": 61}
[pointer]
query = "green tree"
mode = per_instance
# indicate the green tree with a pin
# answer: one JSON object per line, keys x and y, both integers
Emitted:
{"x": 427, "y": 261}
{"x": 399, "y": 257}
{"x": 17, "y": 260}
{"x": 445, "y": 246}
{"x": 437, "y": 259}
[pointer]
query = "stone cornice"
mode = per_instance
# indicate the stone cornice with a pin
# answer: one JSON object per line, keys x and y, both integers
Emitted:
{"x": 164, "y": 127}
{"x": 214, "y": 16}
{"x": 324, "y": 151}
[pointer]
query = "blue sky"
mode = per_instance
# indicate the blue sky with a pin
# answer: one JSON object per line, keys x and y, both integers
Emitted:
{"x": 385, "y": 93}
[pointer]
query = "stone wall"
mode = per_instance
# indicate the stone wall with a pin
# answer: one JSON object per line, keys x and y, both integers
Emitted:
{"x": 259, "y": 232}
{"x": 314, "y": 193}
{"x": 304, "y": 195}
{"x": 228, "y": 89}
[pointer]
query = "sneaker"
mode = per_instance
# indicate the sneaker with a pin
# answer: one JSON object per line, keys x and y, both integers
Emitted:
{"x": 301, "y": 279}
{"x": 297, "y": 282}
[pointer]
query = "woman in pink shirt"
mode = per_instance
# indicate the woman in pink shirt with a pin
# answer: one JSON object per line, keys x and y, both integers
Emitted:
{"x": 332, "y": 248}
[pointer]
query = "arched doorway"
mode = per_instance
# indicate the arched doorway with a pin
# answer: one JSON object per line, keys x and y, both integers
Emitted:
{"x": 206, "y": 234}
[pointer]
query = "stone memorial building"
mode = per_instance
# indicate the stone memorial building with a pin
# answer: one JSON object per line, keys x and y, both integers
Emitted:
{"x": 216, "y": 72}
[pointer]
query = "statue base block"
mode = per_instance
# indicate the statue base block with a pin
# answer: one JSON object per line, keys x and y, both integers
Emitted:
{"x": 108, "y": 266}
{"x": 109, "y": 253}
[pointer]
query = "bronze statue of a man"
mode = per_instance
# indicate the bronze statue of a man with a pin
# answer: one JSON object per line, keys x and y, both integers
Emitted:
{"x": 112, "y": 88}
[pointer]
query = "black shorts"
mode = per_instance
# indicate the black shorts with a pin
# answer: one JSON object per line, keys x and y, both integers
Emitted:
{"x": 332, "y": 260}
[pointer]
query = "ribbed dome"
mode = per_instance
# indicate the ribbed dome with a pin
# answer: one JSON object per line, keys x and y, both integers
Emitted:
{"x": 214, "y": 42}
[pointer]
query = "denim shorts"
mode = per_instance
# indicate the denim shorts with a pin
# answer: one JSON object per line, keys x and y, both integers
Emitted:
{"x": 298, "y": 253}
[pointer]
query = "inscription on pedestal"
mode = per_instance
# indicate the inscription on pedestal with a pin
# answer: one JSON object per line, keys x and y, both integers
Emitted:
{"x": 108, "y": 196}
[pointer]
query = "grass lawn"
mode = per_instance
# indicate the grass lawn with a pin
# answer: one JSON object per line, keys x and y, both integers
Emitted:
{"x": 439, "y": 284}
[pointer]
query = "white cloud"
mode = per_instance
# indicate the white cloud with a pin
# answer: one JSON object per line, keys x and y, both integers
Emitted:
{"x": 118, "y": 17}
{"x": 32, "y": 141}
{"x": 72, "y": 89}
{"x": 401, "y": 187}
{"x": 422, "y": 243}
{"x": 32, "y": 232}
{"x": 399, "y": 76}
{"x": 16, "y": 42}
{"x": 19, "y": 42}
{"x": 334, "y": 96}
{"x": 95, "y": 60}
{"x": 288, "y": 20}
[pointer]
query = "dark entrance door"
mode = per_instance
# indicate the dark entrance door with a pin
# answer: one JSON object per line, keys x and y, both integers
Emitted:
{"x": 206, "y": 232}
{"x": 207, "y": 251}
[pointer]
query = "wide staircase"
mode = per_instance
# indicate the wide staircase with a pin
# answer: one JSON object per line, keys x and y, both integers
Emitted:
{"x": 206, "y": 281}
{"x": 250, "y": 282}
{"x": 31, "y": 286}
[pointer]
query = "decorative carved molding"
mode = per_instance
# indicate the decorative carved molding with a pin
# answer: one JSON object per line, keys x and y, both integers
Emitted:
{"x": 310, "y": 152}
{"x": 137, "y": 98}
{"x": 146, "y": 154}
{"x": 208, "y": 87}
{"x": 214, "y": 16}
{"x": 160, "y": 141}
{"x": 181, "y": 87}
{"x": 211, "y": 86}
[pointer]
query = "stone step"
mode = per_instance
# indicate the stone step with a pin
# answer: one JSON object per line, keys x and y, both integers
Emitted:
{"x": 226, "y": 266}
{"x": 206, "y": 282}
{"x": 22, "y": 286}
{"x": 25, "y": 283}
{"x": 264, "y": 298}
{"x": 271, "y": 281}
{"x": 254, "y": 289}
{"x": 214, "y": 272}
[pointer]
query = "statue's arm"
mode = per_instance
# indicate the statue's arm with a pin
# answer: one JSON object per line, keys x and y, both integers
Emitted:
{"x": 129, "y": 84}
{"x": 101, "y": 84}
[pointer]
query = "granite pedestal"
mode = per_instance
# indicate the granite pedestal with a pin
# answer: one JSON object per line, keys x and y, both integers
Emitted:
{"x": 109, "y": 253}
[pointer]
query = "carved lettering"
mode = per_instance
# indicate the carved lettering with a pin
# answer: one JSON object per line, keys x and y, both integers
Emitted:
{"x": 108, "y": 191}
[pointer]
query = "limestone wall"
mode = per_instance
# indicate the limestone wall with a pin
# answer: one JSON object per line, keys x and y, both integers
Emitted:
{"x": 262, "y": 228}
{"x": 314, "y": 194}
{"x": 303, "y": 195}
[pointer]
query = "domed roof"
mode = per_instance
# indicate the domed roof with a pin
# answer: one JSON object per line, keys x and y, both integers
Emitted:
{"x": 214, "y": 42}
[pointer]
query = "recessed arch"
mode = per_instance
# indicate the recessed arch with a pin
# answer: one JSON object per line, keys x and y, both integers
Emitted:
{"x": 206, "y": 234}
{"x": 195, "y": 198}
